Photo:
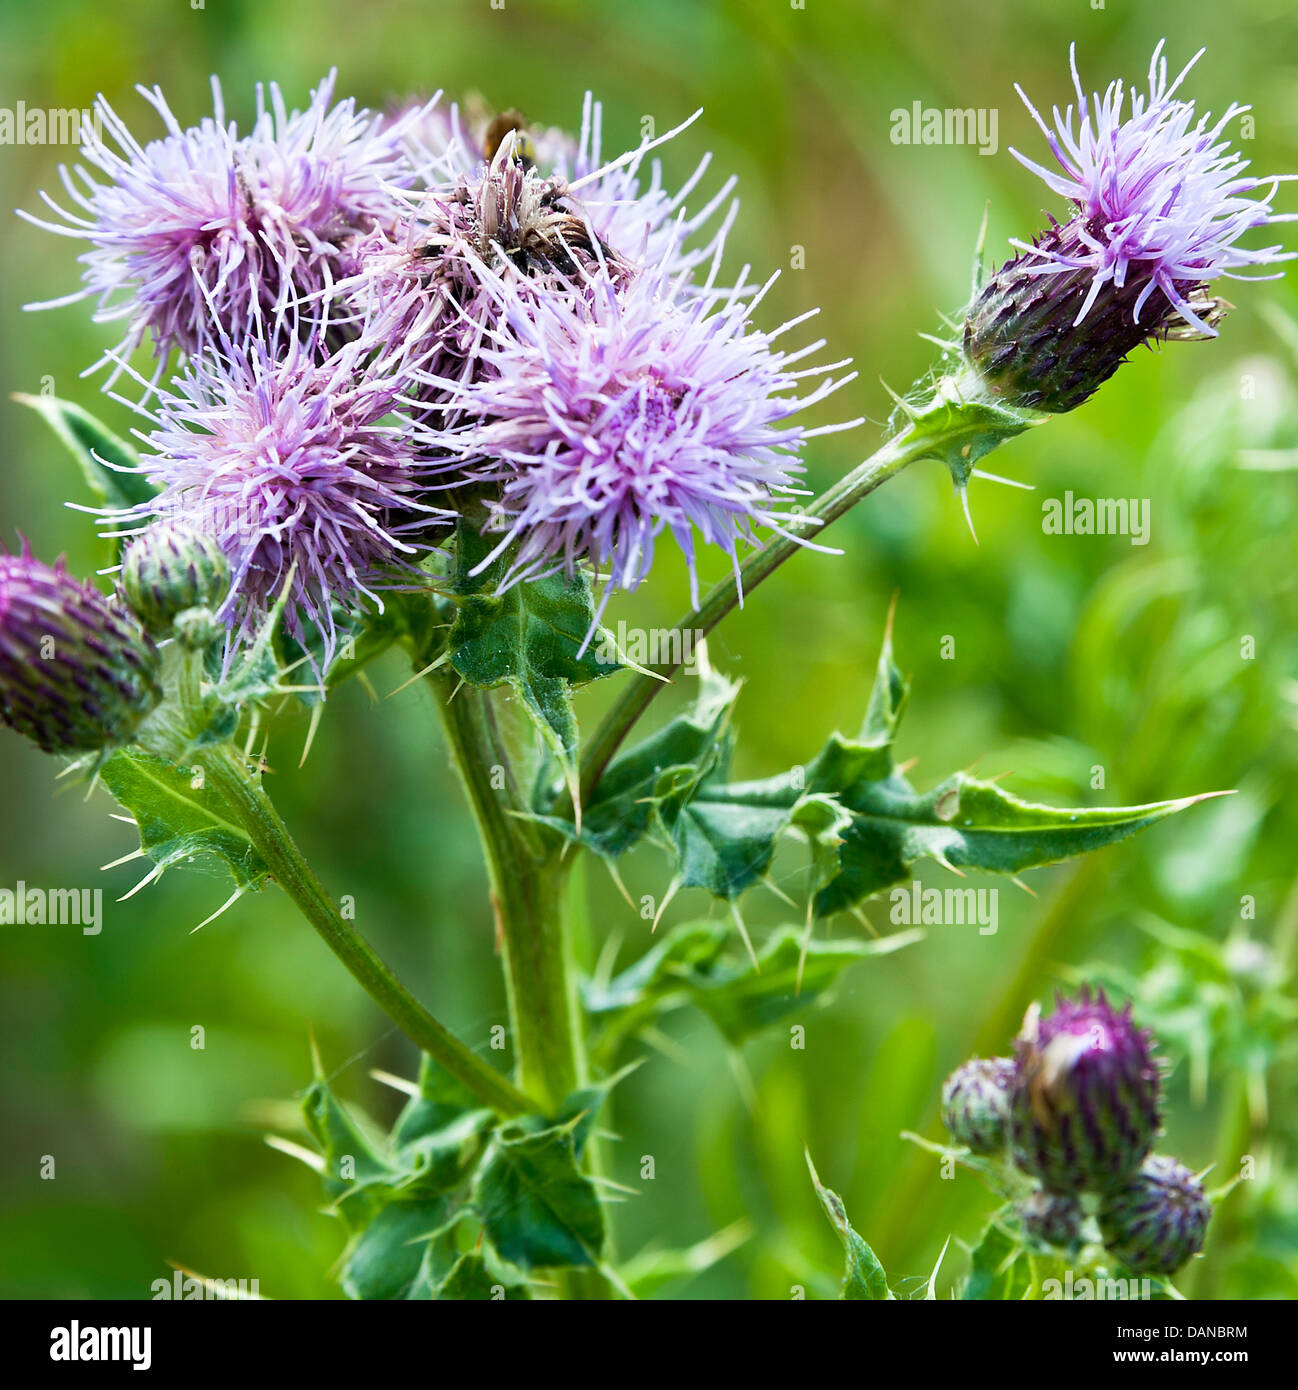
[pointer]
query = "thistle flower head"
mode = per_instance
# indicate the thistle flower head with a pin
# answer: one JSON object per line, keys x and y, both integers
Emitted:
{"x": 1052, "y": 1220}
{"x": 1160, "y": 201}
{"x": 77, "y": 672}
{"x": 434, "y": 278}
{"x": 607, "y": 417}
{"x": 1084, "y": 1105}
{"x": 196, "y": 229}
{"x": 170, "y": 567}
{"x": 302, "y": 470}
{"x": 1157, "y": 1218}
{"x": 976, "y": 1103}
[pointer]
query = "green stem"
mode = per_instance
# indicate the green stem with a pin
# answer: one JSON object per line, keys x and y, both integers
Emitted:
{"x": 896, "y": 454}
{"x": 526, "y": 879}
{"x": 228, "y": 774}
{"x": 529, "y": 890}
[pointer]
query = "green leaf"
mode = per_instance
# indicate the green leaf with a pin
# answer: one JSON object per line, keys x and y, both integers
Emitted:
{"x": 866, "y": 824}
{"x": 178, "y": 821}
{"x": 688, "y": 967}
{"x": 1000, "y": 1268}
{"x": 747, "y": 998}
{"x": 529, "y": 637}
{"x": 537, "y": 1208}
{"x": 651, "y": 1270}
{"x": 442, "y": 1100}
{"x": 646, "y": 787}
{"x": 356, "y": 1175}
{"x": 864, "y": 1277}
{"x": 964, "y": 823}
{"x": 101, "y": 454}
{"x": 386, "y": 1259}
{"x": 471, "y": 1279}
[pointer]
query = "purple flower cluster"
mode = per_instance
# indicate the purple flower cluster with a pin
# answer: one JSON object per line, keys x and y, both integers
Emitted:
{"x": 1076, "y": 1110}
{"x": 382, "y": 317}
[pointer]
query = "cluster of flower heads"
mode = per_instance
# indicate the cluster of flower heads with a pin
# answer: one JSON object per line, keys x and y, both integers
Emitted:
{"x": 375, "y": 320}
{"x": 1076, "y": 1110}
{"x": 1160, "y": 201}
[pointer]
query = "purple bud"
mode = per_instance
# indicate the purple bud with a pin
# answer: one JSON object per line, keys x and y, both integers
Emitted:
{"x": 975, "y": 1103}
{"x": 1084, "y": 1105}
{"x": 1157, "y": 1218}
{"x": 1158, "y": 208}
{"x": 1022, "y": 338}
{"x": 1052, "y": 1220}
{"x": 76, "y": 671}
{"x": 169, "y": 567}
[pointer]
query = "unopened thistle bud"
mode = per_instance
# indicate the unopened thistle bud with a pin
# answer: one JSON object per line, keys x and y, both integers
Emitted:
{"x": 1084, "y": 1104}
{"x": 76, "y": 671}
{"x": 1051, "y": 1220}
{"x": 1158, "y": 209}
{"x": 171, "y": 567}
{"x": 975, "y": 1103}
{"x": 1157, "y": 1219}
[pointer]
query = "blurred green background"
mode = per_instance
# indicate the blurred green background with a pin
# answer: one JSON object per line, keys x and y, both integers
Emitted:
{"x": 1070, "y": 652}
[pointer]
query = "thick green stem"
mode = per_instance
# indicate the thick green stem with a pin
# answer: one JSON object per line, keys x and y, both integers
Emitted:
{"x": 227, "y": 773}
{"x": 526, "y": 878}
{"x": 888, "y": 461}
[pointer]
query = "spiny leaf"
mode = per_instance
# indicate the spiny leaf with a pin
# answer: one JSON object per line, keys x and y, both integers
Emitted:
{"x": 385, "y": 1259}
{"x": 179, "y": 821}
{"x": 470, "y": 1279}
{"x": 646, "y": 787}
{"x": 529, "y": 637}
{"x": 688, "y": 967}
{"x": 966, "y": 823}
{"x": 1000, "y": 1268}
{"x": 538, "y": 1210}
{"x": 95, "y": 448}
{"x": 864, "y": 1277}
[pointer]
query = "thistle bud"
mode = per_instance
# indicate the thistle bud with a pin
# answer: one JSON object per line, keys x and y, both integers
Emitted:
{"x": 1023, "y": 338}
{"x": 1159, "y": 205}
{"x": 1157, "y": 1218}
{"x": 76, "y": 671}
{"x": 975, "y": 1103}
{"x": 1084, "y": 1104}
{"x": 1052, "y": 1220}
{"x": 169, "y": 568}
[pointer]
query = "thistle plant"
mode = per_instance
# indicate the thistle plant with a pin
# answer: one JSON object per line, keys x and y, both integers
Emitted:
{"x": 440, "y": 384}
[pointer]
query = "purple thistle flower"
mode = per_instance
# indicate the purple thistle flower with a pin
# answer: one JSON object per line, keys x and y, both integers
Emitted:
{"x": 196, "y": 230}
{"x": 642, "y": 222}
{"x": 976, "y": 1103}
{"x": 609, "y": 416}
{"x": 298, "y": 465}
{"x": 1157, "y": 1218}
{"x": 542, "y": 209}
{"x": 1084, "y": 1105}
{"x": 77, "y": 672}
{"x": 1160, "y": 204}
{"x": 434, "y": 281}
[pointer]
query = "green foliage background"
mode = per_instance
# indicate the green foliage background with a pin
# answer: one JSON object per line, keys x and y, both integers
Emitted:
{"x": 1070, "y": 652}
